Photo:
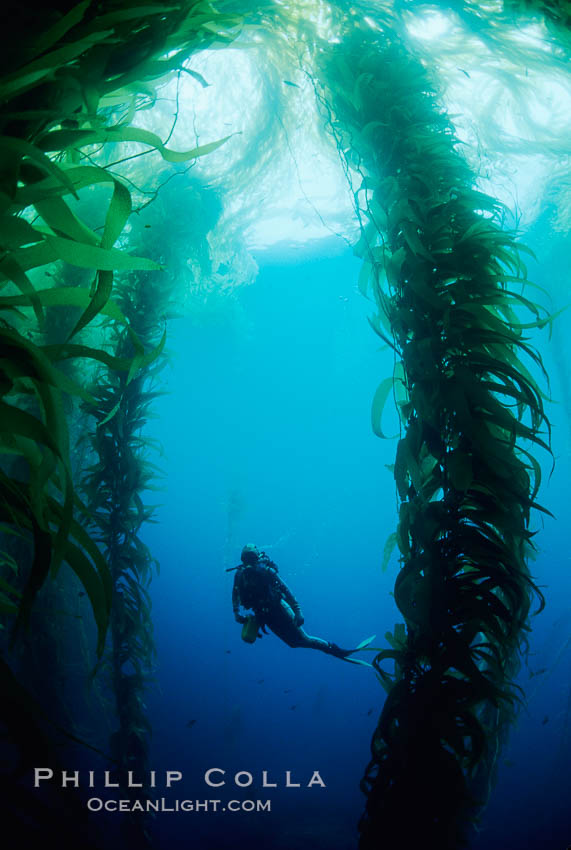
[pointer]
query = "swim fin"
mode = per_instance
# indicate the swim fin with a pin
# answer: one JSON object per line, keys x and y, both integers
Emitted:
{"x": 365, "y": 643}
{"x": 356, "y": 661}
{"x": 344, "y": 654}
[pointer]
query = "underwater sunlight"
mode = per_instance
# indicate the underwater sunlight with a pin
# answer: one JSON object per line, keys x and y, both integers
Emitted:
{"x": 285, "y": 425}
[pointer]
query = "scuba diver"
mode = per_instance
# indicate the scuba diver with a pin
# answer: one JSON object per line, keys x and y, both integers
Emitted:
{"x": 258, "y": 587}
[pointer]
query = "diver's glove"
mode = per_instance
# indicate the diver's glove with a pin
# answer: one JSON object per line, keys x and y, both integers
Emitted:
{"x": 239, "y": 618}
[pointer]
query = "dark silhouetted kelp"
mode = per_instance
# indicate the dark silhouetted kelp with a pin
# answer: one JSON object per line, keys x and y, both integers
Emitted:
{"x": 447, "y": 280}
{"x": 68, "y": 81}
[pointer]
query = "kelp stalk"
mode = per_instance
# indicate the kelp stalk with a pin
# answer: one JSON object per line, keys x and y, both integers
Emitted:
{"x": 446, "y": 280}
{"x": 114, "y": 486}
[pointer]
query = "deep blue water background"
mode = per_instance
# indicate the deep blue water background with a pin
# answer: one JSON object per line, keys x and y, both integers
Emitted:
{"x": 267, "y": 438}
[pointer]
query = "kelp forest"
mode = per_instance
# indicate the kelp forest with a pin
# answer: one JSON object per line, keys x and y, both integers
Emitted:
{"x": 111, "y": 227}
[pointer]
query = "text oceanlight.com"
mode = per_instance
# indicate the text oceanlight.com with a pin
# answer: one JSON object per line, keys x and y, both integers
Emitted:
{"x": 96, "y": 804}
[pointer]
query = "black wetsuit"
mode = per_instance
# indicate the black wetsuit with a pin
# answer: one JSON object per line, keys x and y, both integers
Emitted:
{"x": 259, "y": 588}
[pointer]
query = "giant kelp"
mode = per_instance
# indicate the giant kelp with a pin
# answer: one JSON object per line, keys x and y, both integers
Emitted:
{"x": 120, "y": 474}
{"x": 447, "y": 280}
{"x": 68, "y": 83}
{"x": 113, "y": 486}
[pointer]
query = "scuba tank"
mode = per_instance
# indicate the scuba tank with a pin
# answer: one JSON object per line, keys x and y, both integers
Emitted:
{"x": 266, "y": 561}
{"x": 250, "y": 629}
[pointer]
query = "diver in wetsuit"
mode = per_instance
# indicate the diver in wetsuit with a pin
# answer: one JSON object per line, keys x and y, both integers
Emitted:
{"x": 258, "y": 587}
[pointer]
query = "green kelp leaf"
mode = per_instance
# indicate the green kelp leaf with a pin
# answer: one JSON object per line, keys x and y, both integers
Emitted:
{"x": 6, "y": 560}
{"x": 141, "y": 360}
{"x": 395, "y": 654}
{"x": 481, "y": 229}
{"x": 486, "y": 317}
{"x": 70, "y": 350}
{"x": 139, "y": 355}
{"x": 15, "y": 232}
{"x": 414, "y": 242}
{"x": 55, "y": 33}
{"x": 400, "y": 471}
{"x": 8, "y": 588}
{"x": 114, "y": 410}
{"x": 91, "y": 581}
{"x": 377, "y": 214}
{"x": 21, "y": 149}
{"x": 58, "y": 216}
{"x": 117, "y": 214}
{"x": 203, "y": 15}
{"x": 199, "y": 78}
{"x": 18, "y": 83}
{"x": 384, "y": 310}
{"x": 90, "y": 257}
{"x": 113, "y": 18}
{"x": 400, "y": 383}
{"x": 31, "y": 362}
{"x": 459, "y": 469}
{"x": 430, "y": 474}
{"x": 376, "y": 326}
{"x": 98, "y": 301}
{"x": 87, "y": 545}
{"x": 536, "y": 467}
{"x": 410, "y": 450}
{"x": 388, "y": 550}
{"x": 385, "y": 680}
{"x": 397, "y": 639}
{"x": 368, "y": 238}
{"x": 539, "y": 323}
{"x": 479, "y": 201}
{"x": 41, "y": 370}
{"x": 78, "y": 177}
{"x": 39, "y": 572}
{"x": 16, "y": 421}
{"x": 22, "y": 359}
{"x": 12, "y": 270}
{"x": 423, "y": 290}
{"x": 55, "y": 248}
{"x": 64, "y": 139}
{"x": 364, "y": 278}
{"x": 525, "y": 400}
{"x": 58, "y": 423}
{"x": 494, "y": 411}
{"x": 393, "y": 267}
{"x": 402, "y": 532}
{"x": 30, "y": 74}
{"x": 73, "y": 388}
{"x": 413, "y": 597}
{"x": 64, "y": 296}
{"x": 378, "y": 406}
{"x": 132, "y": 108}
{"x": 128, "y": 93}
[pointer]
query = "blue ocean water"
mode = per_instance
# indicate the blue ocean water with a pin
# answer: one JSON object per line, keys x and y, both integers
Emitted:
{"x": 267, "y": 438}
{"x": 265, "y": 420}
